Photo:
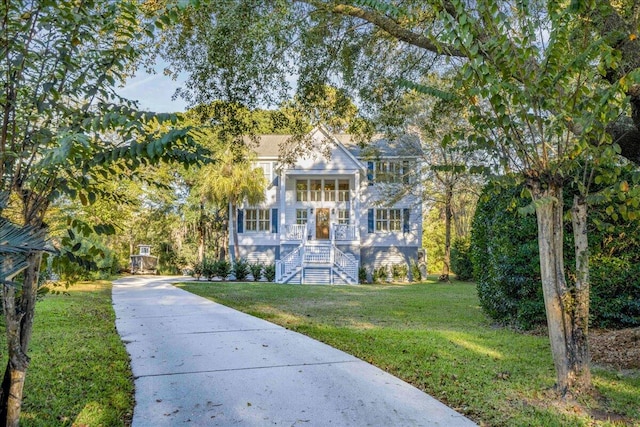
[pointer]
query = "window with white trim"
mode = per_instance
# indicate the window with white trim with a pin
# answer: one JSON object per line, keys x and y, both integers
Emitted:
{"x": 391, "y": 171}
{"x": 343, "y": 190}
{"x": 343, "y": 216}
{"x": 267, "y": 170}
{"x": 257, "y": 220}
{"x": 301, "y": 216}
{"x": 302, "y": 186}
{"x": 388, "y": 220}
{"x": 315, "y": 190}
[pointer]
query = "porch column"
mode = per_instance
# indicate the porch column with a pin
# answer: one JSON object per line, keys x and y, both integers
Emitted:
{"x": 282, "y": 206}
{"x": 355, "y": 203}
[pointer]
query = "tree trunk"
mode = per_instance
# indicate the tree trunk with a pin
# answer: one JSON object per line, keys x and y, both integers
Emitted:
{"x": 446, "y": 268}
{"x": 233, "y": 226}
{"x": 567, "y": 337}
{"x": 19, "y": 312}
{"x": 580, "y": 313}
{"x": 201, "y": 234}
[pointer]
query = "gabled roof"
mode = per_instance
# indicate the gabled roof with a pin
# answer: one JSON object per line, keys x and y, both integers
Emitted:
{"x": 406, "y": 145}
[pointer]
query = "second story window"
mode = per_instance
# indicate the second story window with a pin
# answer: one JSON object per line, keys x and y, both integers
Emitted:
{"x": 391, "y": 171}
{"x": 343, "y": 190}
{"x": 329, "y": 190}
{"x": 301, "y": 190}
{"x": 267, "y": 170}
{"x": 315, "y": 190}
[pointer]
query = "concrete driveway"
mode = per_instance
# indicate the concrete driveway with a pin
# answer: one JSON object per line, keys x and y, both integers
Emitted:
{"x": 199, "y": 363}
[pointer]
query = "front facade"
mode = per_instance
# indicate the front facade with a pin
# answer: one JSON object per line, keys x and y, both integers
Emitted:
{"x": 324, "y": 217}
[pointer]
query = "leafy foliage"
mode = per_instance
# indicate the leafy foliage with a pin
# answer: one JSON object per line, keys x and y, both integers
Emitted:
{"x": 270, "y": 272}
{"x": 506, "y": 264}
{"x": 460, "y": 259}
{"x": 256, "y": 270}
{"x": 241, "y": 269}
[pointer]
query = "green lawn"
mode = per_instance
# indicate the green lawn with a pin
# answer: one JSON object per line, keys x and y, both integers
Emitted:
{"x": 436, "y": 337}
{"x": 79, "y": 373}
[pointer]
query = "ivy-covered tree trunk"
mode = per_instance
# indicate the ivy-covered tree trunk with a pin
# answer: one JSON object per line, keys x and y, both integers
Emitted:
{"x": 566, "y": 318}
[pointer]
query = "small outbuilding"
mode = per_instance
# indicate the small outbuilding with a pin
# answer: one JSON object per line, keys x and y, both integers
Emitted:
{"x": 144, "y": 262}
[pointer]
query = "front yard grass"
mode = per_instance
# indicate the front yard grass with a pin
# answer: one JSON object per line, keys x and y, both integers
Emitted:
{"x": 436, "y": 337}
{"x": 79, "y": 373}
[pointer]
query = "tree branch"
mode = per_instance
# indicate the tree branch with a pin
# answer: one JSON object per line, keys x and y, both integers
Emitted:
{"x": 388, "y": 25}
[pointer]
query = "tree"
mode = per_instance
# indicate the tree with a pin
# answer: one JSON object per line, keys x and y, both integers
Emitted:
{"x": 63, "y": 130}
{"x": 544, "y": 84}
{"x": 447, "y": 178}
{"x": 233, "y": 180}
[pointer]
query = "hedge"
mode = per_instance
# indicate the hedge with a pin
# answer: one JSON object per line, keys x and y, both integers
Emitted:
{"x": 504, "y": 254}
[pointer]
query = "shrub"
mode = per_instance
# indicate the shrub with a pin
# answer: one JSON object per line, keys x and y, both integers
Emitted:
{"x": 461, "y": 259}
{"x": 241, "y": 269}
{"x": 380, "y": 274}
{"x": 270, "y": 272}
{"x": 208, "y": 269}
{"x": 399, "y": 272}
{"x": 221, "y": 269}
{"x": 256, "y": 271}
{"x": 362, "y": 275}
{"x": 197, "y": 270}
{"x": 416, "y": 274}
{"x": 504, "y": 253}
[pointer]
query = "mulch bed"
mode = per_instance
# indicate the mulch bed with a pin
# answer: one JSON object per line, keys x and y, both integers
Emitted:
{"x": 618, "y": 349}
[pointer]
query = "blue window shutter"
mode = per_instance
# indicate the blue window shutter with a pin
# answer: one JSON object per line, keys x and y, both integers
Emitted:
{"x": 276, "y": 181}
{"x": 240, "y": 221}
{"x": 406, "y": 225}
{"x": 370, "y": 172}
{"x": 274, "y": 220}
{"x": 371, "y": 223}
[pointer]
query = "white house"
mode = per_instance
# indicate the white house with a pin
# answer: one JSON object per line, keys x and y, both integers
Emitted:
{"x": 324, "y": 216}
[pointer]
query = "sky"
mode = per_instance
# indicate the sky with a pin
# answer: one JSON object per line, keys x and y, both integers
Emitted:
{"x": 154, "y": 91}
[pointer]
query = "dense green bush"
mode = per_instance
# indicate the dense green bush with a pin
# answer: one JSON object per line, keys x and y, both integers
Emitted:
{"x": 461, "y": 259}
{"x": 362, "y": 275}
{"x": 399, "y": 272}
{"x": 416, "y": 274}
{"x": 504, "y": 253}
{"x": 256, "y": 271}
{"x": 270, "y": 272}
{"x": 197, "y": 270}
{"x": 222, "y": 269}
{"x": 380, "y": 274}
{"x": 241, "y": 269}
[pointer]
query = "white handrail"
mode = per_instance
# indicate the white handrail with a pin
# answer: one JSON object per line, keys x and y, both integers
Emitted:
{"x": 289, "y": 263}
{"x": 346, "y": 263}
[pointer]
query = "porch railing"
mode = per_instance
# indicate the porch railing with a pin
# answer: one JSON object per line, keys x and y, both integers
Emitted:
{"x": 343, "y": 232}
{"x": 317, "y": 254}
{"x": 295, "y": 231}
